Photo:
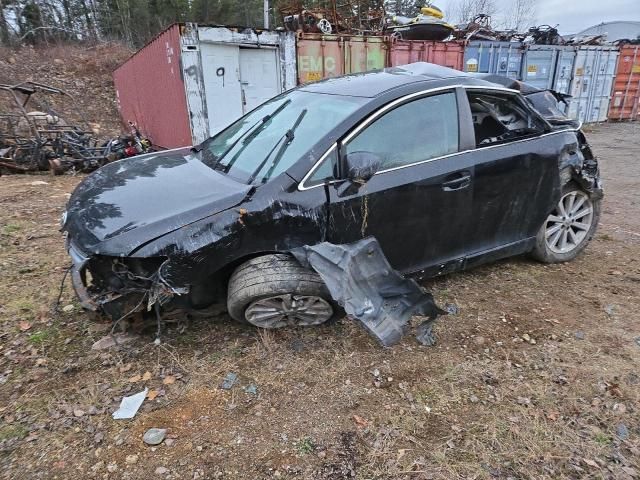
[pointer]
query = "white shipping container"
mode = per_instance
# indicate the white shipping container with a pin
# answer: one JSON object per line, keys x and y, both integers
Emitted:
{"x": 593, "y": 74}
{"x": 192, "y": 81}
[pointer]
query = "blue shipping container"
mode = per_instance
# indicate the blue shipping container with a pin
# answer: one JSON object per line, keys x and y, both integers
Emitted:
{"x": 501, "y": 58}
{"x": 586, "y": 73}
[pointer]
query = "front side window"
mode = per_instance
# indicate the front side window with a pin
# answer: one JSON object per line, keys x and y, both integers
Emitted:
{"x": 419, "y": 130}
{"x": 500, "y": 118}
{"x": 325, "y": 171}
{"x": 274, "y": 136}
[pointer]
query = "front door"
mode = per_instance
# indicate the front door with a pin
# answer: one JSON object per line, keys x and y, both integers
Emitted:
{"x": 418, "y": 203}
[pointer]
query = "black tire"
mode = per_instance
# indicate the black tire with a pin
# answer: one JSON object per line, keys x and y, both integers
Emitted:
{"x": 269, "y": 276}
{"x": 544, "y": 254}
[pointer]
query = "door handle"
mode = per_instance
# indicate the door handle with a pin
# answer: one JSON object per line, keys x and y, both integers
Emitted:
{"x": 458, "y": 183}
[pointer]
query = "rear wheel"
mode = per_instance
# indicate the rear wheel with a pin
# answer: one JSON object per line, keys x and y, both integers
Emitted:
{"x": 569, "y": 228}
{"x": 275, "y": 291}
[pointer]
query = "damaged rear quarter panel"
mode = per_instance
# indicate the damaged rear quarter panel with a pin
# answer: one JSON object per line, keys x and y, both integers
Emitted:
{"x": 579, "y": 164}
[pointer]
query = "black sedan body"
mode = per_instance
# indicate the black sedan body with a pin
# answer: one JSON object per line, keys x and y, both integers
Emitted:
{"x": 446, "y": 170}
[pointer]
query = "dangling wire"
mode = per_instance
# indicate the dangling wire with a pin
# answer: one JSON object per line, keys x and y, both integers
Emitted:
{"x": 115, "y": 324}
{"x": 56, "y": 308}
{"x": 156, "y": 307}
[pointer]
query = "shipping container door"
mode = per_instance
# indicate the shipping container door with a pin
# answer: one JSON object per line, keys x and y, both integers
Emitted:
{"x": 603, "y": 84}
{"x": 592, "y": 82}
{"x": 564, "y": 73}
{"x": 220, "y": 67}
{"x": 501, "y": 58}
{"x": 539, "y": 66}
{"x": 363, "y": 54}
{"x": 447, "y": 54}
{"x": 626, "y": 94}
{"x": 581, "y": 84}
{"x": 319, "y": 56}
{"x": 259, "y": 78}
{"x": 564, "y": 70}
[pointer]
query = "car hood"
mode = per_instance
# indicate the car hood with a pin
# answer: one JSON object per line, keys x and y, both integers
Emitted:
{"x": 128, "y": 203}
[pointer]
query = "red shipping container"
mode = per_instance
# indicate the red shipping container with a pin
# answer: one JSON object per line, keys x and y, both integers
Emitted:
{"x": 447, "y": 54}
{"x": 191, "y": 81}
{"x": 625, "y": 100}
{"x": 150, "y": 91}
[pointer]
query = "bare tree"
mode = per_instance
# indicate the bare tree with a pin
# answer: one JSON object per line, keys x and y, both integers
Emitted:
{"x": 464, "y": 11}
{"x": 520, "y": 15}
{"x": 408, "y": 8}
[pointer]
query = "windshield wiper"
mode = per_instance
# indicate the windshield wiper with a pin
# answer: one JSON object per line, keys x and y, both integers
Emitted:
{"x": 203, "y": 145}
{"x": 288, "y": 136}
{"x": 249, "y": 135}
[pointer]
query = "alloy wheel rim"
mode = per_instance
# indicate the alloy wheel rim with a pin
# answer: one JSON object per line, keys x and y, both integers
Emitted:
{"x": 288, "y": 310}
{"x": 569, "y": 223}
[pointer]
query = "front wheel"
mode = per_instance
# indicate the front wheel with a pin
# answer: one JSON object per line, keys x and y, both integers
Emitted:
{"x": 568, "y": 228}
{"x": 275, "y": 291}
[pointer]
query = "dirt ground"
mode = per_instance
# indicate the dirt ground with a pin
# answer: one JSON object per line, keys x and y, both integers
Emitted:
{"x": 537, "y": 376}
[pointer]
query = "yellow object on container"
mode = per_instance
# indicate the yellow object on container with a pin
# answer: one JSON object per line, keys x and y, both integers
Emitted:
{"x": 434, "y": 12}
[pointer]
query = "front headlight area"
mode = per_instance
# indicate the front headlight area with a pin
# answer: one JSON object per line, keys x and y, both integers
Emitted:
{"x": 121, "y": 274}
{"x": 118, "y": 286}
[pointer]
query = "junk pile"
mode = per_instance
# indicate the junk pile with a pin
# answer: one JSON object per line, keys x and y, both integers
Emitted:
{"x": 35, "y": 137}
{"x": 350, "y": 17}
{"x": 544, "y": 35}
{"x": 480, "y": 29}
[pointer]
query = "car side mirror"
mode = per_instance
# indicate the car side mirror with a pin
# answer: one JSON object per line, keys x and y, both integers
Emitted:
{"x": 361, "y": 166}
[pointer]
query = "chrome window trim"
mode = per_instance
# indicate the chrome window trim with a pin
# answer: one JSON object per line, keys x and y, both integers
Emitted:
{"x": 310, "y": 173}
{"x": 389, "y": 106}
{"x": 385, "y": 108}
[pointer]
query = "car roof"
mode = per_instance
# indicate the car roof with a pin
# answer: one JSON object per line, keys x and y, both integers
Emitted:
{"x": 374, "y": 83}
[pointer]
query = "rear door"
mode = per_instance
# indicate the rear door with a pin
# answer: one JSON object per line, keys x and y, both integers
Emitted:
{"x": 516, "y": 170}
{"x": 418, "y": 204}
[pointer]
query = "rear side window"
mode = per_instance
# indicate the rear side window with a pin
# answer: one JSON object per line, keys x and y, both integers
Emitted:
{"x": 419, "y": 130}
{"x": 500, "y": 118}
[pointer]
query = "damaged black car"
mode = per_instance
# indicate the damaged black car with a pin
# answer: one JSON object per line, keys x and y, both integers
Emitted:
{"x": 444, "y": 169}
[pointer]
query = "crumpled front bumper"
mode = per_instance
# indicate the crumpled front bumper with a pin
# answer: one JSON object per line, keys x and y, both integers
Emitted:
{"x": 82, "y": 293}
{"x": 113, "y": 304}
{"x": 78, "y": 276}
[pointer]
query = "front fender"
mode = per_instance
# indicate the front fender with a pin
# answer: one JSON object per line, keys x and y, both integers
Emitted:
{"x": 200, "y": 250}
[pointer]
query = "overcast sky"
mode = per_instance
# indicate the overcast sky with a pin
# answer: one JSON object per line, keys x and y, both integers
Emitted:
{"x": 573, "y": 15}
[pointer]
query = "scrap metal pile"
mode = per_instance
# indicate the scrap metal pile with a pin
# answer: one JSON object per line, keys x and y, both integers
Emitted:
{"x": 480, "y": 29}
{"x": 350, "y": 17}
{"x": 35, "y": 137}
